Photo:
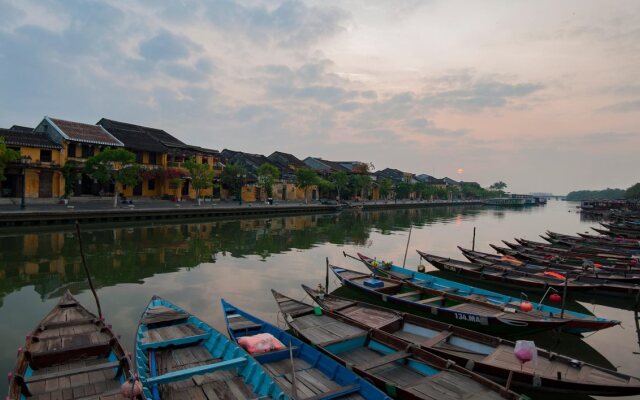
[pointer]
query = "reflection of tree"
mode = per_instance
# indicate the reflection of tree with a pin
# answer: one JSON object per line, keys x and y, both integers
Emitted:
{"x": 51, "y": 261}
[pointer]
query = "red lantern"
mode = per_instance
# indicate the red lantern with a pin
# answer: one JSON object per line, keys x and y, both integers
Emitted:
{"x": 555, "y": 298}
{"x": 526, "y": 306}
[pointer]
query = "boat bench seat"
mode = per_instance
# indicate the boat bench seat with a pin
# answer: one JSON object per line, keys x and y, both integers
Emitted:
{"x": 76, "y": 371}
{"x": 389, "y": 358}
{"x": 431, "y": 300}
{"x": 262, "y": 357}
{"x": 182, "y": 374}
{"x": 175, "y": 342}
{"x": 336, "y": 393}
{"x": 436, "y": 339}
{"x": 408, "y": 294}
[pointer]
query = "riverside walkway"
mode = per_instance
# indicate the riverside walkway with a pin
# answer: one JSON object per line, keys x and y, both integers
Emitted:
{"x": 102, "y": 210}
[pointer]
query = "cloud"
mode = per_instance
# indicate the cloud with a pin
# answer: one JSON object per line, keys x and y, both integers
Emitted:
{"x": 428, "y": 128}
{"x": 623, "y": 107}
{"x": 165, "y": 46}
{"x": 290, "y": 23}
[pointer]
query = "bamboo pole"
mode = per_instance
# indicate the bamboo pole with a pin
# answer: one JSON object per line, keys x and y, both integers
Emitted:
{"x": 473, "y": 243}
{"x": 86, "y": 269}
{"x": 407, "y": 249}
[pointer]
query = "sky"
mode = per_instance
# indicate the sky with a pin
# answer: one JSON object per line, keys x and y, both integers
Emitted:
{"x": 542, "y": 95}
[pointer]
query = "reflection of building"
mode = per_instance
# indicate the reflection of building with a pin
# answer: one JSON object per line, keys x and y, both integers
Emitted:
{"x": 37, "y": 173}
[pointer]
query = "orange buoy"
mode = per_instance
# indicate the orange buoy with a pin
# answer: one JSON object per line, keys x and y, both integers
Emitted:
{"x": 526, "y": 306}
{"x": 555, "y": 298}
{"x": 555, "y": 275}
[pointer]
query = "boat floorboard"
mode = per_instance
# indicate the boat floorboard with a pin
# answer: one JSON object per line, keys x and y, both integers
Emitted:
{"x": 322, "y": 329}
{"x": 371, "y": 317}
{"x": 222, "y": 385}
{"x": 98, "y": 384}
{"x": 447, "y": 385}
{"x": 170, "y": 332}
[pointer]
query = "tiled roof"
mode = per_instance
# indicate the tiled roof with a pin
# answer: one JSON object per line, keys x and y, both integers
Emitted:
{"x": 85, "y": 133}
{"x": 278, "y": 156}
{"x": 135, "y": 137}
{"x": 27, "y": 139}
{"x": 21, "y": 128}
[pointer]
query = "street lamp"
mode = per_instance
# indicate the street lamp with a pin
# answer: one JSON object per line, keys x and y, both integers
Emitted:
{"x": 24, "y": 160}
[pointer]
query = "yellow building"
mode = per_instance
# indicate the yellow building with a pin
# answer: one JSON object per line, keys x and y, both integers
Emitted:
{"x": 37, "y": 173}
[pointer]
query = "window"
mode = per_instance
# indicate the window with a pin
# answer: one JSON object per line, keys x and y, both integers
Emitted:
{"x": 151, "y": 184}
{"x": 152, "y": 159}
{"x": 87, "y": 151}
{"x": 139, "y": 157}
{"x": 72, "y": 150}
{"x": 205, "y": 160}
{"x": 45, "y": 155}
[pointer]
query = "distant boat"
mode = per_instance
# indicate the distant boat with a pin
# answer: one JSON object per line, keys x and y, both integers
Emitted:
{"x": 505, "y": 202}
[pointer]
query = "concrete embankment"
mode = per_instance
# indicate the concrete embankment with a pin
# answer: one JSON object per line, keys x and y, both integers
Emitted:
{"x": 54, "y": 216}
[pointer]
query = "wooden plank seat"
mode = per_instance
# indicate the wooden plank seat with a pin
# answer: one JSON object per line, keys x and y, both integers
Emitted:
{"x": 407, "y": 294}
{"x": 198, "y": 370}
{"x": 179, "y": 341}
{"x": 75, "y": 371}
{"x": 431, "y": 300}
{"x": 336, "y": 393}
{"x": 237, "y": 322}
{"x": 50, "y": 355}
{"x": 67, "y": 324}
{"x": 164, "y": 315}
{"x": 442, "y": 336}
{"x": 389, "y": 358}
{"x": 274, "y": 354}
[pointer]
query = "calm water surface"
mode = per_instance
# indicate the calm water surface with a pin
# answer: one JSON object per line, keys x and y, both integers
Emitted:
{"x": 195, "y": 264}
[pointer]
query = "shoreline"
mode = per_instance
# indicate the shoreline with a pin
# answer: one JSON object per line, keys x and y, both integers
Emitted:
{"x": 67, "y": 216}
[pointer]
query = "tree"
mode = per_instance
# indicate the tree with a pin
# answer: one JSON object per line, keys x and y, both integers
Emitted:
{"x": 201, "y": 176}
{"x": 498, "y": 186}
{"x": 325, "y": 185}
{"x": 359, "y": 183}
{"x": 633, "y": 192}
{"x": 267, "y": 175}
{"x": 340, "y": 181}
{"x": 6, "y": 156}
{"x": 403, "y": 190}
{"x": 421, "y": 189}
{"x": 385, "y": 186}
{"x": 70, "y": 173}
{"x": 305, "y": 178}
{"x": 233, "y": 177}
{"x": 117, "y": 166}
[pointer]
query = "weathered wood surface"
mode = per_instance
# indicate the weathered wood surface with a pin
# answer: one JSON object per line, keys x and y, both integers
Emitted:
{"x": 322, "y": 330}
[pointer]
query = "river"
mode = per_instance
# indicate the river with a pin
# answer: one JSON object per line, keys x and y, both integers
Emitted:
{"x": 196, "y": 264}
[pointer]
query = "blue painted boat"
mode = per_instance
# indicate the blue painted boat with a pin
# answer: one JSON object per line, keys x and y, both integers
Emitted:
{"x": 403, "y": 370}
{"x": 579, "y": 322}
{"x": 316, "y": 375}
{"x": 180, "y": 356}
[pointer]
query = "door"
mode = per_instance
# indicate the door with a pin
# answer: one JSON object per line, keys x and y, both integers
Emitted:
{"x": 137, "y": 189}
{"x": 45, "y": 187}
{"x": 185, "y": 188}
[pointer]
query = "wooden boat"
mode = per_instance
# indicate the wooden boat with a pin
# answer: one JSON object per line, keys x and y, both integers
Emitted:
{"x": 587, "y": 240}
{"x": 578, "y": 322}
{"x": 180, "y": 357}
{"x": 566, "y": 270}
{"x": 475, "y": 313}
{"x": 623, "y": 230}
{"x": 317, "y": 376}
{"x": 563, "y": 260}
{"x": 71, "y": 354}
{"x": 405, "y": 372}
{"x": 486, "y": 355}
{"x": 512, "y": 278}
{"x": 588, "y": 248}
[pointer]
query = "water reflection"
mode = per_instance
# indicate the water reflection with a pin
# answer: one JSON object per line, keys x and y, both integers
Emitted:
{"x": 194, "y": 264}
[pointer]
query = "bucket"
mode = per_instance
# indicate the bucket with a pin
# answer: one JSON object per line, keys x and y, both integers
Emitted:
{"x": 317, "y": 310}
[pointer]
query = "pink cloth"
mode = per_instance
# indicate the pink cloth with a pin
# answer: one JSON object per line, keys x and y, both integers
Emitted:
{"x": 260, "y": 343}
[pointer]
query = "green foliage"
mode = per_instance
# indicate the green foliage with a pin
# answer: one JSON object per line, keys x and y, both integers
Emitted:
{"x": 6, "y": 156}
{"x": 421, "y": 189}
{"x": 340, "y": 181}
{"x": 305, "y": 178}
{"x": 233, "y": 177}
{"x": 359, "y": 184}
{"x": 403, "y": 190}
{"x": 267, "y": 176}
{"x": 633, "y": 192}
{"x": 201, "y": 175}
{"x": 70, "y": 172}
{"x": 385, "y": 186}
{"x": 606, "y": 194}
{"x": 325, "y": 185}
{"x": 498, "y": 186}
{"x": 114, "y": 166}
